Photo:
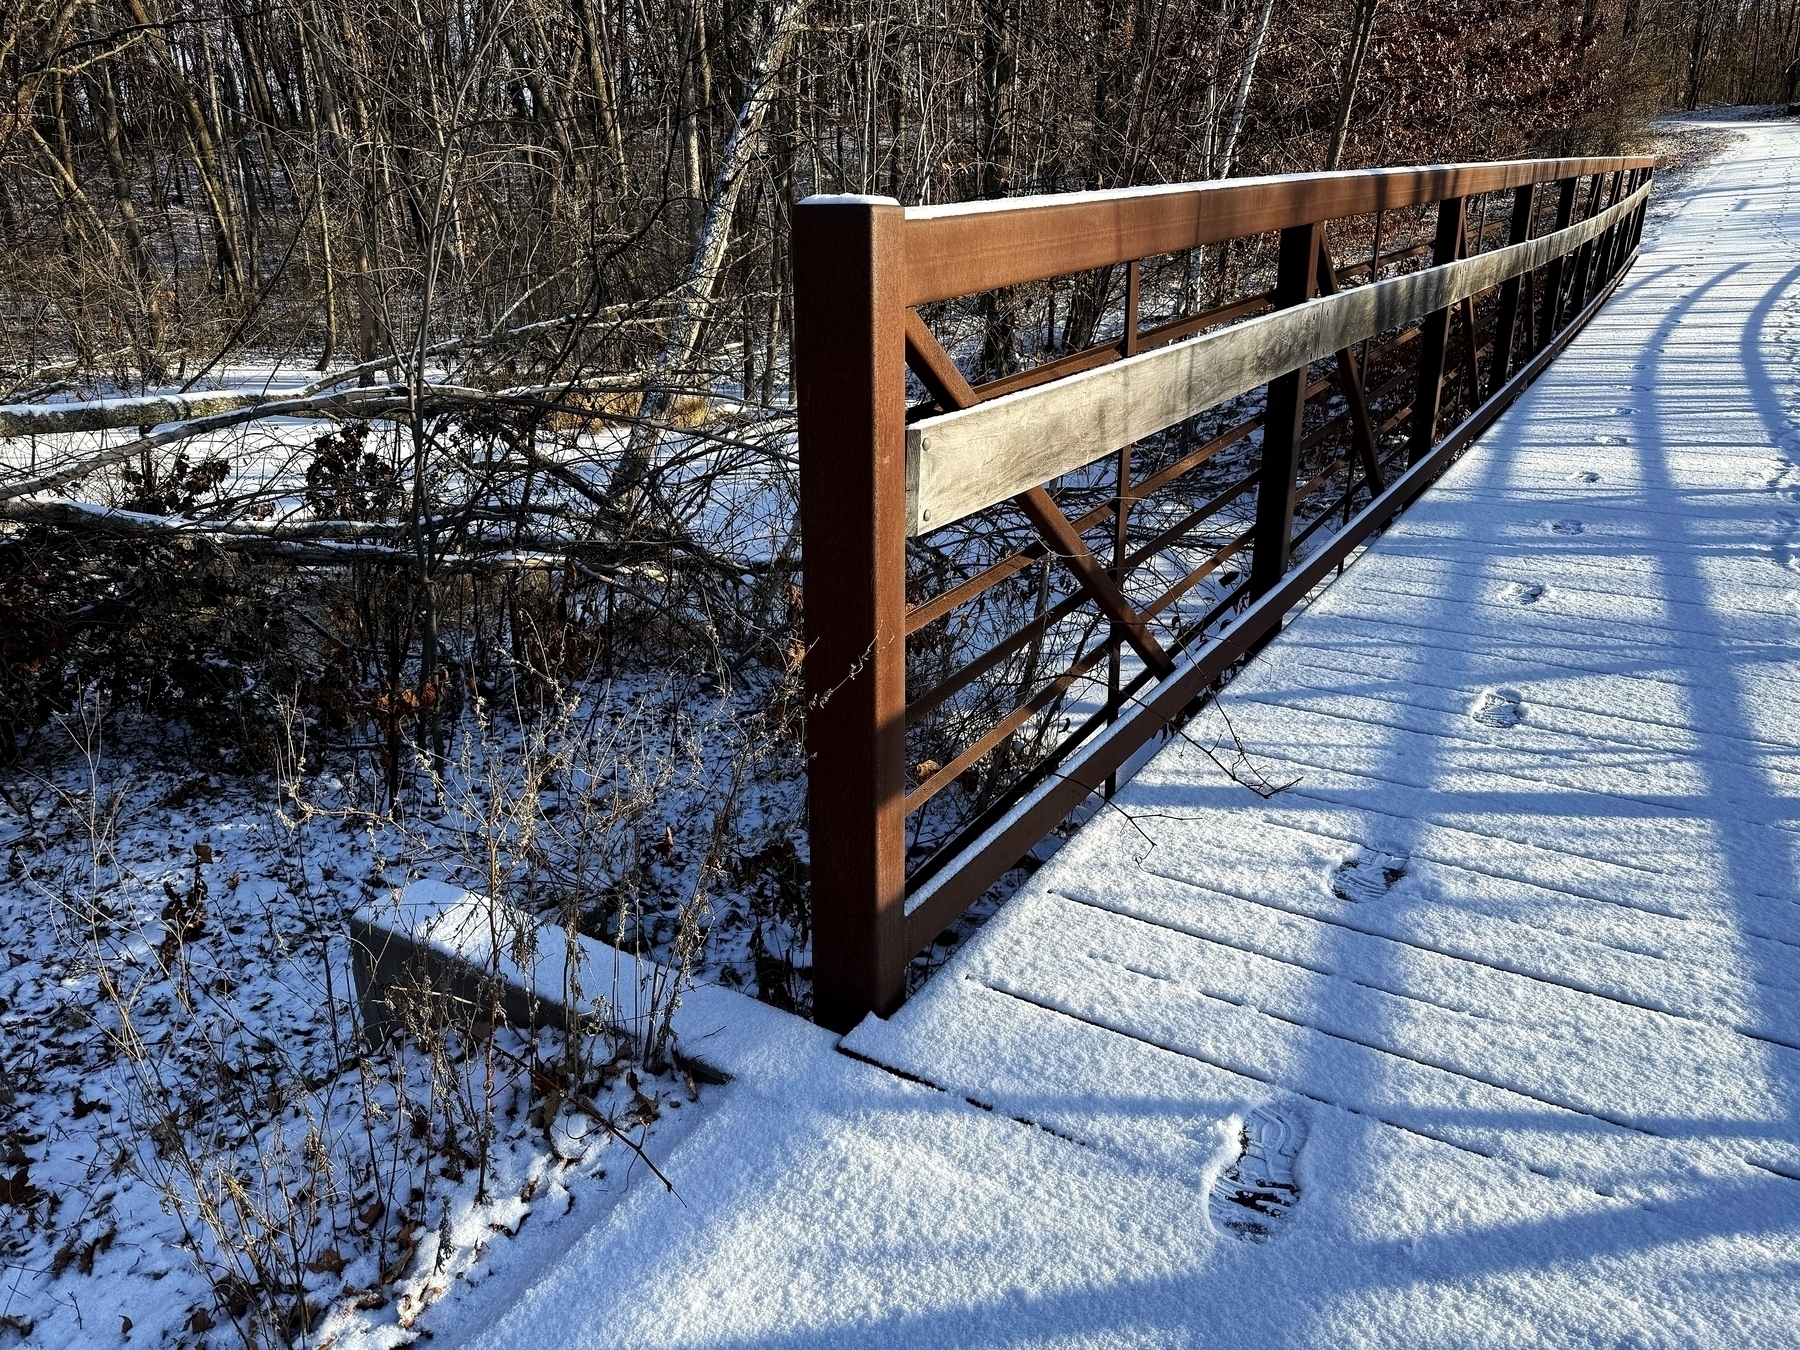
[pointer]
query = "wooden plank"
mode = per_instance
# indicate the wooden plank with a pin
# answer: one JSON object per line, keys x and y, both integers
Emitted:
{"x": 963, "y": 461}
{"x": 978, "y": 246}
{"x": 1076, "y": 362}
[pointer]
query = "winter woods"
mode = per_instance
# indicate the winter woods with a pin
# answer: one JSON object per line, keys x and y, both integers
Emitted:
{"x": 181, "y": 184}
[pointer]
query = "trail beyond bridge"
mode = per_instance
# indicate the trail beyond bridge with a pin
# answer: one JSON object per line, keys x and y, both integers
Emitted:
{"x": 1484, "y": 1029}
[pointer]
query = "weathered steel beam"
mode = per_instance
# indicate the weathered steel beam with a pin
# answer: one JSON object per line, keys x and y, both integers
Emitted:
{"x": 1284, "y": 417}
{"x": 850, "y": 376}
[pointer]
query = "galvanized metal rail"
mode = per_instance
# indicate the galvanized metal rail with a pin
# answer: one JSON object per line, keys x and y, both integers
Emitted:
{"x": 1459, "y": 337}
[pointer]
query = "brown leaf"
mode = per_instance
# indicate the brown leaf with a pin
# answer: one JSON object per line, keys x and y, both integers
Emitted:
{"x": 18, "y": 1190}
{"x": 202, "y": 1320}
{"x": 94, "y": 1248}
{"x": 406, "y": 1241}
{"x": 372, "y": 1212}
{"x": 203, "y": 852}
{"x": 645, "y": 1109}
{"x": 327, "y": 1262}
{"x": 237, "y": 1297}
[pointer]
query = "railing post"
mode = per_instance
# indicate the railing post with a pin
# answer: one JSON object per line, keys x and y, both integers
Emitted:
{"x": 1621, "y": 233}
{"x": 1121, "y": 540}
{"x": 850, "y": 382}
{"x": 1296, "y": 279}
{"x": 1434, "y": 336}
{"x": 1637, "y": 217}
{"x": 1594, "y": 251}
{"x": 1506, "y": 323}
{"x": 1565, "y": 212}
{"x": 1570, "y": 307}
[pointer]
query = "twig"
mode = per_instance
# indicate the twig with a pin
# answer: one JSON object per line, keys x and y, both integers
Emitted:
{"x": 545, "y": 1083}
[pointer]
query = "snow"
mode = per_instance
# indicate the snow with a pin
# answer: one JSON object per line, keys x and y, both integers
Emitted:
{"x": 1512, "y": 960}
{"x": 242, "y": 1022}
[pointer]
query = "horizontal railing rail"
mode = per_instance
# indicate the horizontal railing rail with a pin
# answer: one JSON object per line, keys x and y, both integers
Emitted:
{"x": 1015, "y": 584}
{"x": 978, "y": 246}
{"x": 962, "y": 461}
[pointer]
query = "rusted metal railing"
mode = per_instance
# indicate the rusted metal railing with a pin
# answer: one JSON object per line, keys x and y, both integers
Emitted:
{"x": 1200, "y": 515}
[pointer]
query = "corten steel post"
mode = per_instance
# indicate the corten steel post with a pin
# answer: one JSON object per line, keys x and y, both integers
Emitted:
{"x": 1571, "y": 305}
{"x": 1506, "y": 323}
{"x": 1608, "y": 252}
{"x": 1565, "y": 212}
{"x": 1434, "y": 337}
{"x": 1296, "y": 281}
{"x": 1587, "y": 259}
{"x": 1121, "y": 540}
{"x": 1622, "y": 232}
{"x": 850, "y": 381}
{"x": 1622, "y": 236}
{"x": 1637, "y": 222}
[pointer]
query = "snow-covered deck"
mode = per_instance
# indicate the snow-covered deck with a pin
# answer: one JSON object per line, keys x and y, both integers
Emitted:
{"x": 1502, "y": 994}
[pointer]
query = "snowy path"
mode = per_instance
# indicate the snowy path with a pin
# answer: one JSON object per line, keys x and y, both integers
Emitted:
{"x": 1503, "y": 994}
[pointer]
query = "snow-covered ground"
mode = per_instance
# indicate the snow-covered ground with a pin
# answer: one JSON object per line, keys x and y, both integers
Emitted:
{"x": 1483, "y": 1032}
{"x": 185, "y": 1115}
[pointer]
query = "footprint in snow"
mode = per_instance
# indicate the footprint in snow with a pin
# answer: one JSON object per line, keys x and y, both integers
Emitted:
{"x": 1523, "y": 592}
{"x": 1367, "y": 877}
{"x": 1585, "y": 476}
{"x": 1786, "y": 542}
{"x": 1498, "y": 708}
{"x": 1781, "y": 476}
{"x": 1257, "y": 1191}
{"x": 1563, "y": 526}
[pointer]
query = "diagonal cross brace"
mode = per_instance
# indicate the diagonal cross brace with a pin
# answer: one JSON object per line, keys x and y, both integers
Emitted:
{"x": 1351, "y": 378}
{"x": 938, "y": 373}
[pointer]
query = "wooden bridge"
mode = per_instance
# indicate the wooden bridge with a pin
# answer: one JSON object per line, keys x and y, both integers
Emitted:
{"x": 1447, "y": 309}
{"x": 1432, "y": 980}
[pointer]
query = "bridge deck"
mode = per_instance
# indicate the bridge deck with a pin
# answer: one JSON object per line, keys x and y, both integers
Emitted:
{"x": 1502, "y": 993}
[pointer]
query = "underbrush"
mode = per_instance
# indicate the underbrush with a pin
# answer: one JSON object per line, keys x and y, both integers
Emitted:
{"x": 204, "y": 1145}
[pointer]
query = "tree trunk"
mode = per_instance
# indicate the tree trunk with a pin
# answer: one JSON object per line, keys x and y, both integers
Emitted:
{"x": 1246, "y": 75}
{"x": 1362, "y": 27}
{"x": 694, "y": 299}
{"x": 994, "y": 152}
